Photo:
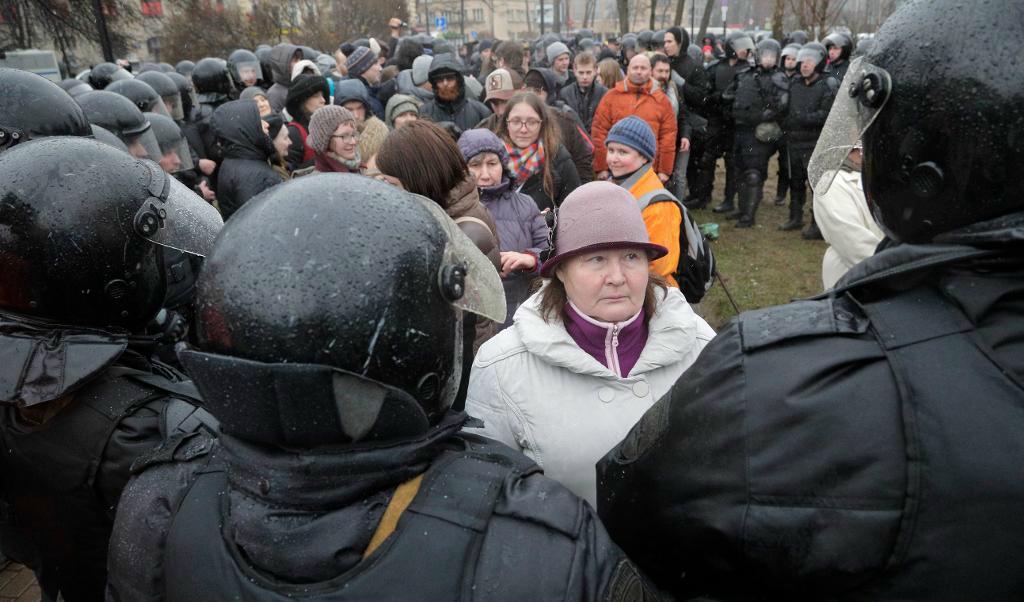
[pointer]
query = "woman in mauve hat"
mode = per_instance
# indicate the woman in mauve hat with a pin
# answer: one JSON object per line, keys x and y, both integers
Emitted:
{"x": 593, "y": 349}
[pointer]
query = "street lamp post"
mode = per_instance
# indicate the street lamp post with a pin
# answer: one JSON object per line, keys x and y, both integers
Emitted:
{"x": 725, "y": 10}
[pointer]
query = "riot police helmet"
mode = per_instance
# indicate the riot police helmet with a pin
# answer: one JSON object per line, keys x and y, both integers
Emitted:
{"x": 798, "y": 37}
{"x": 337, "y": 319}
{"x": 791, "y": 51}
{"x": 245, "y": 67}
{"x": 930, "y": 164}
{"x": 103, "y": 74}
{"x": 120, "y": 115}
{"x": 32, "y": 106}
{"x": 643, "y": 40}
{"x": 658, "y": 41}
{"x": 141, "y": 94}
{"x": 82, "y": 230}
{"x": 185, "y": 68}
{"x": 266, "y": 64}
{"x": 186, "y": 91}
{"x": 842, "y": 41}
{"x": 174, "y": 153}
{"x": 168, "y": 91}
{"x": 74, "y": 87}
{"x": 768, "y": 52}
{"x": 864, "y": 46}
{"x": 813, "y": 51}
{"x": 107, "y": 137}
{"x": 212, "y": 80}
{"x": 737, "y": 41}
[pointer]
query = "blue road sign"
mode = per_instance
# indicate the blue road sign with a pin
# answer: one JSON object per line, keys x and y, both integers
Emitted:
{"x": 441, "y": 23}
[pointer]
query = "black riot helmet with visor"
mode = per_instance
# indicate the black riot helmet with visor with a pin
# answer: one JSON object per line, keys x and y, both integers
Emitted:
{"x": 798, "y": 37}
{"x": 815, "y": 52}
{"x": 841, "y": 41}
{"x": 175, "y": 156}
{"x": 120, "y": 115}
{"x": 930, "y": 165}
{"x": 107, "y": 137}
{"x": 187, "y": 93}
{"x": 168, "y": 91}
{"x": 74, "y": 87}
{"x": 362, "y": 339}
{"x": 768, "y": 52}
{"x": 32, "y": 106}
{"x": 83, "y": 229}
{"x": 213, "y": 82}
{"x": 736, "y": 42}
{"x": 141, "y": 94}
{"x": 104, "y": 74}
{"x": 245, "y": 67}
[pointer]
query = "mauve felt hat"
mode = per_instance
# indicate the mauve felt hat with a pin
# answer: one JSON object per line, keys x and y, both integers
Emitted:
{"x": 595, "y": 216}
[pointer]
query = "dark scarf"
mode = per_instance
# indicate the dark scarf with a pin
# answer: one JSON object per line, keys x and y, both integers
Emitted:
{"x": 325, "y": 163}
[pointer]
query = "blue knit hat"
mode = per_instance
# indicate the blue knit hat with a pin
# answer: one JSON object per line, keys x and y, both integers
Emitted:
{"x": 634, "y": 133}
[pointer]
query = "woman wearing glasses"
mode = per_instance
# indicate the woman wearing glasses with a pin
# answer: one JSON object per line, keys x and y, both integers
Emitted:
{"x": 335, "y": 142}
{"x": 542, "y": 165}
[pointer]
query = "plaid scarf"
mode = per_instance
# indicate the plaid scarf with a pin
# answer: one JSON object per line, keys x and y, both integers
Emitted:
{"x": 525, "y": 161}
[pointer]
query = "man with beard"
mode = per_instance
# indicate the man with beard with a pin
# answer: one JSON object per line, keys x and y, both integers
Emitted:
{"x": 450, "y": 102}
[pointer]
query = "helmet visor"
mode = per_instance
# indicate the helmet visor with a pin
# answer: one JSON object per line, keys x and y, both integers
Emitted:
{"x": 861, "y": 97}
{"x": 743, "y": 43}
{"x": 248, "y": 73}
{"x": 484, "y": 295}
{"x": 809, "y": 54}
{"x": 143, "y": 145}
{"x": 174, "y": 107}
{"x": 176, "y": 157}
{"x": 174, "y": 216}
{"x": 159, "y": 108}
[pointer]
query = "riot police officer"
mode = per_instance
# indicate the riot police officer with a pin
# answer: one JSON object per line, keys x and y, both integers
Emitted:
{"x": 120, "y": 115}
{"x": 245, "y": 68}
{"x": 839, "y": 47}
{"x": 332, "y": 362}
{"x": 718, "y": 141}
{"x": 141, "y": 94}
{"x": 32, "y": 106}
{"x": 104, "y": 74}
{"x": 866, "y": 445}
{"x": 164, "y": 86}
{"x": 810, "y": 99}
{"x": 759, "y": 99}
{"x": 214, "y": 87}
{"x": 83, "y": 230}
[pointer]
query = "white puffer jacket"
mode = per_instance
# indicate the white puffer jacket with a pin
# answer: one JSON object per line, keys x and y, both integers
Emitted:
{"x": 537, "y": 391}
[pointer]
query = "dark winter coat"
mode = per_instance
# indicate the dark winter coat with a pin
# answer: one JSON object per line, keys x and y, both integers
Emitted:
{"x": 809, "y": 105}
{"x": 564, "y": 178}
{"x": 370, "y": 97}
{"x": 245, "y": 171}
{"x": 695, "y": 90}
{"x": 882, "y": 464}
{"x": 584, "y": 102}
{"x": 758, "y": 96}
{"x": 249, "y": 522}
{"x": 570, "y": 127}
{"x": 281, "y": 63}
{"x": 463, "y": 112}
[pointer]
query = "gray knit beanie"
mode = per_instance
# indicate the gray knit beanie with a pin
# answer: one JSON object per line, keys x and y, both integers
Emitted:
{"x": 556, "y": 50}
{"x": 325, "y": 120}
{"x": 398, "y": 104}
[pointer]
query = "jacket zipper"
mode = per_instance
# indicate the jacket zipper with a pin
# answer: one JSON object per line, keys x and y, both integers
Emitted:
{"x": 611, "y": 350}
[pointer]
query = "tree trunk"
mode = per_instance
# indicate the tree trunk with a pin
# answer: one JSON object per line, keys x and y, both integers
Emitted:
{"x": 778, "y": 16}
{"x": 706, "y": 19}
{"x": 654, "y": 13}
{"x": 623, "y": 6}
{"x": 678, "y": 19}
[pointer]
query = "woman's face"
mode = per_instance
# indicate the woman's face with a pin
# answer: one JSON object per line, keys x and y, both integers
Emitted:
{"x": 313, "y": 103}
{"x": 523, "y": 125}
{"x": 486, "y": 169}
{"x": 263, "y": 105}
{"x": 345, "y": 141}
{"x": 404, "y": 118}
{"x": 623, "y": 160}
{"x": 607, "y": 285}
{"x": 282, "y": 142}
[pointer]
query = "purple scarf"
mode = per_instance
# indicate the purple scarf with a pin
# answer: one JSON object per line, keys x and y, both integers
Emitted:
{"x": 616, "y": 346}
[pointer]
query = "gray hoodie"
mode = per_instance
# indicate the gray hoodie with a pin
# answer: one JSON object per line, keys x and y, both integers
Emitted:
{"x": 281, "y": 69}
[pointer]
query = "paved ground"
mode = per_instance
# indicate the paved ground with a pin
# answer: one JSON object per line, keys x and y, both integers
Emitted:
{"x": 17, "y": 584}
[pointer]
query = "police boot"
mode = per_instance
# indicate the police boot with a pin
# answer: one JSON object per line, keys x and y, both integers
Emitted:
{"x": 750, "y": 198}
{"x": 811, "y": 232}
{"x": 796, "y": 211}
{"x": 692, "y": 203}
{"x": 725, "y": 206}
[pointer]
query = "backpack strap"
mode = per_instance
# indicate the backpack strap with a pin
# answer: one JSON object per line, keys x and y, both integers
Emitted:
{"x": 472, "y": 220}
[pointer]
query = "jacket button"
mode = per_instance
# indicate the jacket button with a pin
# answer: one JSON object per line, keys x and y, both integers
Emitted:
{"x": 641, "y": 389}
{"x": 605, "y": 394}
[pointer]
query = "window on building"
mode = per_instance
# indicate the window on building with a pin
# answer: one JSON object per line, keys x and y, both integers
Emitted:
{"x": 478, "y": 15}
{"x": 152, "y": 8}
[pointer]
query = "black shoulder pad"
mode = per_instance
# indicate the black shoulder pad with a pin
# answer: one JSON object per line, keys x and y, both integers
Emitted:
{"x": 180, "y": 448}
{"x": 780, "y": 80}
{"x": 832, "y": 83}
{"x": 763, "y": 327}
{"x": 479, "y": 445}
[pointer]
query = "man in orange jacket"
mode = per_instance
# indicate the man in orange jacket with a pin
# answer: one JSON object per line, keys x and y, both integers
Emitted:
{"x": 631, "y": 148}
{"x": 636, "y": 95}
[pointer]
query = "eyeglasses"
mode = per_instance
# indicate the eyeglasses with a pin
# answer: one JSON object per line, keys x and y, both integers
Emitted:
{"x": 518, "y": 124}
{"x": 347, "y": 137}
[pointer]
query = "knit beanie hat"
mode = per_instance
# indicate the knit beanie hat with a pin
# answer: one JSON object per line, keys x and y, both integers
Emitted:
{"x": 556, "y": 50}
{"x": 398, "y": 104}
{"x": 634, "y": 133}
{"x": 486, "y": 45}
{"x": 359, "y": 61}
{"x": 324, "y": 122}
{"x": 372, "y": 134}
{"x": 252, "y": 92}
{"x": 421, "y": 69}
{"x": 595, "y": 216}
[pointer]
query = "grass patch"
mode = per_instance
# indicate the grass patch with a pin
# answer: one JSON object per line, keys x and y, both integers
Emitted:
{"x": 761, "y": 266}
